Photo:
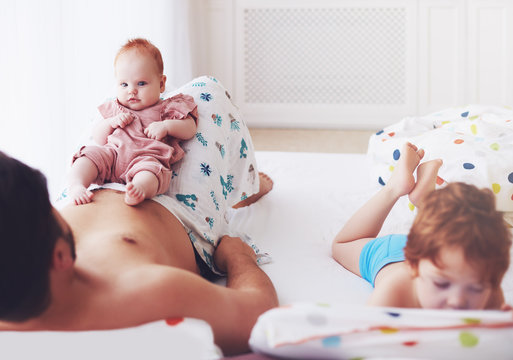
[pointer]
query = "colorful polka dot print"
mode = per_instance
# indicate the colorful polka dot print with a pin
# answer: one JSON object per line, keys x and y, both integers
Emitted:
{"x": 410, "y": 343}
{"x": 468, "y": 339}
{"x": 333, "y": 341}
{"x": 474, "y": 143}
{"x": 348, "y": 331}
{"x": 174, "y": 321}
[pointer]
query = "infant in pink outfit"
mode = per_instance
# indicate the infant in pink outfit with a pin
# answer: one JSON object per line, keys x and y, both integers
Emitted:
{"x": 139, "y": 135}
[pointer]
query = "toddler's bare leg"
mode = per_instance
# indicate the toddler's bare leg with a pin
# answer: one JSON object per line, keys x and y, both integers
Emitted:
{"x": 426, "y": 180}
{"x": 402, "y": 180}
{"x": 82, "y": 174}
{"x": 368, "y": 220}
{"x": 366, "y": 223}
{"x": 144, "y": 185}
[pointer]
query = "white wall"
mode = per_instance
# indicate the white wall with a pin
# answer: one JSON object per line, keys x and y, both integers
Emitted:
{"x": 445, "y": 53}
{"x": 56, "y": 62}
{"x": 56, "y": 66}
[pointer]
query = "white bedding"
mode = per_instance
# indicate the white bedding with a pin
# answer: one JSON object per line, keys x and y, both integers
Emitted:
{"x": 313, "y": 196}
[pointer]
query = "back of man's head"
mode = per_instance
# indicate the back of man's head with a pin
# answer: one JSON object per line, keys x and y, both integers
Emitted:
{"x": 28, "y": 233}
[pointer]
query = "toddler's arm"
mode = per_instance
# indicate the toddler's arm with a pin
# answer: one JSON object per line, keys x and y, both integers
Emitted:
{"x": 183, "y": 129}
{"x": 104, "y": 127}
{"x": 394, "y": 287}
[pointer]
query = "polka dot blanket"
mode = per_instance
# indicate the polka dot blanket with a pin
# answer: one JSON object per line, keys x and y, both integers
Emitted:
{"x": 475, "y": 143}
{"x": 329, "y": 331}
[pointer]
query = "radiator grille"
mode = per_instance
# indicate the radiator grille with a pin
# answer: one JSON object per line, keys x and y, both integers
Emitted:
{"x": 325, "y": 55}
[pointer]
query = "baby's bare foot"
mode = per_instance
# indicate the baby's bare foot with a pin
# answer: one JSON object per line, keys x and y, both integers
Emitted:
{"x": 266, "y": 184}
{"x": 133, "y": 195}
{"x": 402, "y": 181}
{"x": 80, "y": 195}
{"x": 426, "y": 179}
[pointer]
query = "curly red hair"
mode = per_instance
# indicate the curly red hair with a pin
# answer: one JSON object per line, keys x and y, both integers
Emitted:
{"x": 461, "y": 215}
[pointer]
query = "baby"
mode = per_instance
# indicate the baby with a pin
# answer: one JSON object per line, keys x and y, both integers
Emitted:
{"x": 139, "y": 134}
{"x": 455, "y": 255}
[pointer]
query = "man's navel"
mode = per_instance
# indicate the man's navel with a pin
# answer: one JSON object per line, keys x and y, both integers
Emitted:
{"x": 129, "y": 240}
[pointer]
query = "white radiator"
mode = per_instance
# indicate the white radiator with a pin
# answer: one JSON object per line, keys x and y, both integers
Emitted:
{"x": 325, "y": 55}
{"x": 360, "y": 64}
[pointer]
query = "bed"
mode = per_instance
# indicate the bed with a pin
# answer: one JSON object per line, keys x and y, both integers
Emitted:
{"x": 314, "y": 194}
{"x": 323, "y": 316}
{"x": 320, "y": 192}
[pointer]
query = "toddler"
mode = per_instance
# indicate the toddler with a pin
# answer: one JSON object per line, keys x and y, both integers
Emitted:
{"x": 139, "y": 136}
{"x": 454, "y": 256}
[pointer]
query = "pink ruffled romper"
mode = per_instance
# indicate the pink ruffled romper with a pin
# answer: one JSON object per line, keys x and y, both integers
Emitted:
{"x": 129, "y": 151}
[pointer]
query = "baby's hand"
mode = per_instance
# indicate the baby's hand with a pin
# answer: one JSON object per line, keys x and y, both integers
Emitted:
{"x": 121, "y": 120}
{"x": 156, "y": 130}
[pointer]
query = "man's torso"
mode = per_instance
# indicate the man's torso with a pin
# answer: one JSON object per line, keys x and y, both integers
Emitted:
{"x": 121, "y": 253}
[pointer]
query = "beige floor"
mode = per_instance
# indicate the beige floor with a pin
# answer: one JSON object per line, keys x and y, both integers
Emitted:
{"x": 329, "y": 141}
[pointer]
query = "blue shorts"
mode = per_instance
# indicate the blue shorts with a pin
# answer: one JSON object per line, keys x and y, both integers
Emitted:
{"x": 380, "y": 252}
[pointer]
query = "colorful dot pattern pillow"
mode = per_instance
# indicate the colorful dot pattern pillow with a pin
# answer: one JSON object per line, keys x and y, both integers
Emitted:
{"x": 343, "y": 331}
{"x": 475, "y": 142}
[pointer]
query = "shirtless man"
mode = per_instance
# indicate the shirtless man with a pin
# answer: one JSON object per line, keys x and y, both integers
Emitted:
{"x": 132, "y": 265}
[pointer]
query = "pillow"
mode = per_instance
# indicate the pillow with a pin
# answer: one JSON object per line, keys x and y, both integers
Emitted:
{"x": 174, "y": 339}
{"x": 335, "y": 331}
{"x": 475, "y": 143}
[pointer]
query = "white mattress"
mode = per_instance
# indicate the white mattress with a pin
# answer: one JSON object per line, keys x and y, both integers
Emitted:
{"x": 313, "y": 196}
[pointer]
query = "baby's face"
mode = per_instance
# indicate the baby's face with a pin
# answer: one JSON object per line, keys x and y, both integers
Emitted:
{"x": 139, "y": 83}
{"x": 453, "y": 285}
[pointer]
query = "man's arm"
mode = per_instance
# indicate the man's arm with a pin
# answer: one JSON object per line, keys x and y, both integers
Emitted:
{"x": 249, "y": 293}
{"x": 231, "y": 311}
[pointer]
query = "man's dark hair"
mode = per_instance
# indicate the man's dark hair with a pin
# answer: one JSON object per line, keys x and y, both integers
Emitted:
{"x": 28, "y": 233}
